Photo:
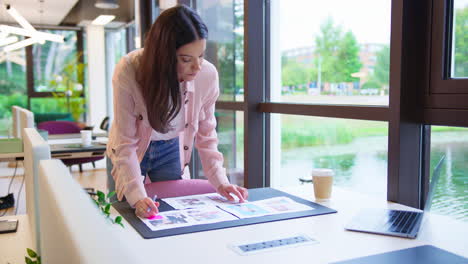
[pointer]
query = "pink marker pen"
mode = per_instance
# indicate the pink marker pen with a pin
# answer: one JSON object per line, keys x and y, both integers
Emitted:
{"x": 156, "y": 216}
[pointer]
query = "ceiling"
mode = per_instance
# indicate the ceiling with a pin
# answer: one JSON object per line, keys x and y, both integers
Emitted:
{"x": 63, "y": 12}
{"x": 54, "y": 11}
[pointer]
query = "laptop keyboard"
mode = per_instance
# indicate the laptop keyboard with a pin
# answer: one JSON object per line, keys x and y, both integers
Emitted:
{"x": 401, "y": 221}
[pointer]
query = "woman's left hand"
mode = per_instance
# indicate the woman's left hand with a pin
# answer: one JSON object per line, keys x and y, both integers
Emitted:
{"x": 226, "y": 190}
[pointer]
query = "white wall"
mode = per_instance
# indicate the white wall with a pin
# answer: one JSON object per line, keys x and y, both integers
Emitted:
{"x": 96, "y": 94}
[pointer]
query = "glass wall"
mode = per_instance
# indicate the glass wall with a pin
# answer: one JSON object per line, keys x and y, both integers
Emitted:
{"x": 13, "y": 86}
{"x": 58, "y": 69}
{"x": 460, "y": 40}
{"x": 356, "y": 150}
{"x": 116, "y": 48}
{"x": 225, "y": 46}
{"x": 55, "y": 61}
{"x": 451, "y": 192}
{"x": 322, "y": 54}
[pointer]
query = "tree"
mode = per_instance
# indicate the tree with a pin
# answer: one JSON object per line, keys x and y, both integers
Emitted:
{"x": 348, "y": 58}
{"x": 461, "y": 43}
{"x": 339, "y": 53}
{"x": 382, "y": 67}
{"x": 294, "y": 74}
{"x": 327, "y": 45}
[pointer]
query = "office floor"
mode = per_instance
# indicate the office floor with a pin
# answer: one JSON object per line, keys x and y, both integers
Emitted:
{"x": 90, "y": 177}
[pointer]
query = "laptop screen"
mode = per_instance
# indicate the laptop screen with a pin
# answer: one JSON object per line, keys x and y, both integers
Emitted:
{"x": 435, "y": 179}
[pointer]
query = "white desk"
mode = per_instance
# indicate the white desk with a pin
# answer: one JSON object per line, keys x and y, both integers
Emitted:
{"x": 335, "y": 243}
{"x": 59, "y": 152}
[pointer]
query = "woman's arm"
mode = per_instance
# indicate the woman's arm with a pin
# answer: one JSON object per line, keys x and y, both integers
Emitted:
{"x": 206, "y": 142}
{"x": 126, "y": 171}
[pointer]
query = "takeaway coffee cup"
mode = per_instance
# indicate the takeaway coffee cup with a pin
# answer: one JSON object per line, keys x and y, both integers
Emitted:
{"x": 323, "y": 181}
{"x": 86, "y": 137}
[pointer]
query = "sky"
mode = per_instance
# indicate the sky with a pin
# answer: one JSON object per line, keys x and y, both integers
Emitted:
{"x": 300, "y": 20}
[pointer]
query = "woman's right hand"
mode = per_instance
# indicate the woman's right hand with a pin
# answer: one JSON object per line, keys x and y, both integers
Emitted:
{"x": 146, "y": 208}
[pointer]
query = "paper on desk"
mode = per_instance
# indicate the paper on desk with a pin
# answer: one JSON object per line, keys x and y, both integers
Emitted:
{"x": 213, "y": 208}
{"x": 197, "y": 201}
{"x": 277, "y": 205}
{"x": 188, "y": 217}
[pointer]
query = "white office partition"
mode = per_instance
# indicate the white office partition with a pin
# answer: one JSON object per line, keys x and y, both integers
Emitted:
{"x": 73, "y": 230}
{"x": 26, "y": 119}
{"x": 15, "y": 118}
{"x": 35, "y": 149}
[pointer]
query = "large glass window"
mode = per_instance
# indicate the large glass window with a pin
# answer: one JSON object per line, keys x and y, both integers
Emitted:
{"x": 330, "y": 52}
{"x": 356, "y": 150}
{"x": 53, "y": 60}
{"x": 12, "y": 86}
{"x": 116, "y": 48}
{"x": 58, "y": 69}
{"x": 460, "y": 39}
{"x": 225, "y": 46}
{"x": 451, "y": 195}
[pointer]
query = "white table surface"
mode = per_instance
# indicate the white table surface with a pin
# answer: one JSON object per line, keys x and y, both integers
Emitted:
{"x": 13, "y": 245}
{"x": 335, "y": 243}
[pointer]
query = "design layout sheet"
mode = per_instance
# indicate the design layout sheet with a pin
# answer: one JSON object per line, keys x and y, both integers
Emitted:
{"x": 213, "y": 208}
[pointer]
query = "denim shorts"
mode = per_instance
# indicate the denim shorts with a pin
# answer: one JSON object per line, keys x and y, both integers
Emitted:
{"x": 162, "y": 161}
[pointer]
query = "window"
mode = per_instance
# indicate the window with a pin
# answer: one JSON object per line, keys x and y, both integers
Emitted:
{"x": 51, "y": 60}
{"x": 12, "y": 86}
{"x": 451, "y": 196}
{"x": 459, "y": 64}
{"x": 356, "y": 150}
{"x": 225, "y": 45}
{"x": 116, "y": 48}
{"x": 328, "y": 55}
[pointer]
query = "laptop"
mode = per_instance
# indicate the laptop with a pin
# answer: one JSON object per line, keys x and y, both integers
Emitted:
{"x": 395, "y": 222}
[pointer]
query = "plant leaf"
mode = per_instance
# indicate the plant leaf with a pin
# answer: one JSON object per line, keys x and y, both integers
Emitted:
{"x": 28, "y": 260}
{"x": 31, "y": 253}
{"x": 107, "y": 208}
{"x": 118, "y": 219}
{"x": 109, "y": 195}
{"x": 101, "y": 196}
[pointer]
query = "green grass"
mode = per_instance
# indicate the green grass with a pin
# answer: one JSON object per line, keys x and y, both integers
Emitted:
{"x": 298, "y": 131}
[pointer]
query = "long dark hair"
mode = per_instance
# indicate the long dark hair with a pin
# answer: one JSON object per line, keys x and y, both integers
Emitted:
{"x": 157, "y": 69}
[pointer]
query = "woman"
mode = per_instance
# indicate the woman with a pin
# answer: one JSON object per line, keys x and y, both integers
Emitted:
{"x": 165, "y": 94}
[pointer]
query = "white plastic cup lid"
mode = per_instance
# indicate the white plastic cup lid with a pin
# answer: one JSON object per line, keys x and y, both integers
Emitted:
{"x": 322, "y": 172}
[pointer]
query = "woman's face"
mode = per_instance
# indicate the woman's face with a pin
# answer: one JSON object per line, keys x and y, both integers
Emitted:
{"x": 189, "y": 59}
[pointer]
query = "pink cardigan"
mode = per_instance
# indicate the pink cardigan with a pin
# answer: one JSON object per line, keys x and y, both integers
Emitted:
{"x": 130, "y": 131}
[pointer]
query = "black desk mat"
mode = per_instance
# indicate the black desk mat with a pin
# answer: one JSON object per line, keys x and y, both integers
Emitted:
{"x": 254, "y": 194}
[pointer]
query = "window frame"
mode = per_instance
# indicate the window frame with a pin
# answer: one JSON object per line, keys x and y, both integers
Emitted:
{"x": 31, "y": 93}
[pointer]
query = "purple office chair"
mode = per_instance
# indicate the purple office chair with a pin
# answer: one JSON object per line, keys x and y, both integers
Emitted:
{"x": 67, "y": 127}
{"x": 175, "y": 188}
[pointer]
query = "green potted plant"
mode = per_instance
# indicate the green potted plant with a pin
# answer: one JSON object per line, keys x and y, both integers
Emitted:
{"x": 68, "y": 84}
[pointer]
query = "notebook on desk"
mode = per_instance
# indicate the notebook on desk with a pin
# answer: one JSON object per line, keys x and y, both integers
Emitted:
{"x": 395, "y": 222}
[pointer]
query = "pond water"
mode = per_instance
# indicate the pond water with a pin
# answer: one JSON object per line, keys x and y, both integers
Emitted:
{"x": 362, "y": 166}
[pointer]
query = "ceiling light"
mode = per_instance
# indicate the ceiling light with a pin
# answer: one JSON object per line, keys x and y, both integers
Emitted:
{"x": 20, "y": 44}
{"x": 26, "y": 30}
{"x": 8, "y": 40}
{"x": 20, "y": 19}
{"x": 102, "y": 20}
{"x": 29, "y": 33}
{"x": 106, "y": 4}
